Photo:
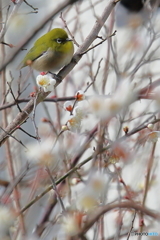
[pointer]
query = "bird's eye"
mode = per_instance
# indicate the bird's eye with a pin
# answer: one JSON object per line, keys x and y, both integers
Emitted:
{"x": 59, "y": 40}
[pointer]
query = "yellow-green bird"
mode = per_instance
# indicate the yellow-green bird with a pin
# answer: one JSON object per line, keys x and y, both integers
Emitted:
{"x": 50, "y": 52}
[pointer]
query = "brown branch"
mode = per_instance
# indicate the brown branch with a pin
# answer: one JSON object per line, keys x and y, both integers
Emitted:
{"x": 7, "y": 44}
{"x": 105, "y": 209}
{"x": 55, "y": 189}
{"x": 21, "y": 117}
{"x": 146, "y": 185}
{"x": 131, "y": 228}
{"x": 12, "y": 184}
{"x": 10, "y": 135}
{"x": 23, "y": 100}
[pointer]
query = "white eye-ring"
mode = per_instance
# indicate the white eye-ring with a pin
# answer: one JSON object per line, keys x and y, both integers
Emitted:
{"x": 59, "y": 40}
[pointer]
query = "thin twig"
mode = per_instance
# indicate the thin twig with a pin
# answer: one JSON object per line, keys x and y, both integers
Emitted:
{"x": 26, "y": 133}
{"x": 9, "y": 84}
{"x": 95, "y": 76}
{"x": 10, "y": 135}
{"x": 55, "y": 189}
{"x": 113, "y": 34}
{"x": 30, "y": 5}
{"x": 65, "y": 25}
{"x": 146, "y": 186}
{"x": 33, "y": 118}
{"x": 7, "y": 44}
{"x": 129, "y": 233}
{"x": 14, "y": 183}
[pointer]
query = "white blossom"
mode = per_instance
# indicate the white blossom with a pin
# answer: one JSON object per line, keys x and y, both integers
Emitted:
{"x": 45, "y": 153}
{"x": 74, "y": 121}
{"x": 7, "y": 218}
{"x": 87, "y": 201}
{"x": 153, "y": 136}
{"x": 105, "y": 107}
{"x": 46, "y": 82}
{"x": 70, "y": 225}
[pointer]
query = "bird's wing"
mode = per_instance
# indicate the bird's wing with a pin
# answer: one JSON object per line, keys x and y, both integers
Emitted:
{"x": 34, "y": 53}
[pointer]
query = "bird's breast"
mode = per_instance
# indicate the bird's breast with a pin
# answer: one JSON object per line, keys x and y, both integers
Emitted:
{"x": 52, "y": 61}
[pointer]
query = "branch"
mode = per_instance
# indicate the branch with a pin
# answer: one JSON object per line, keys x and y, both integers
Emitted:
{"x": 127, "y": 205}
{"x": 89, "y": 49}
{"x": 8, "y": 20}
{"x": 35, "y": 9}
{"x": 23, "y": 100}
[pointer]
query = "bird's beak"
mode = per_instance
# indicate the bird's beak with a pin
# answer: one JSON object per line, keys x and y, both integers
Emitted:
{"x": 68, "y": 39}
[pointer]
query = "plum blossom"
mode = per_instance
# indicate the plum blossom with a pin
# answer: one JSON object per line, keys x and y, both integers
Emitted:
{"x": 46, "y": 82}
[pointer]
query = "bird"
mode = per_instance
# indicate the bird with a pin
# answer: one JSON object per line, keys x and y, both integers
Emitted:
{"x": 50, "y": 52}
{"x": 138, "y": 11}
{"x": 138, "y": 5}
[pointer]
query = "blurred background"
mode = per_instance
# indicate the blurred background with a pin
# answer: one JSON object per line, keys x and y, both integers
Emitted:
{"x": 117, "y": 69}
